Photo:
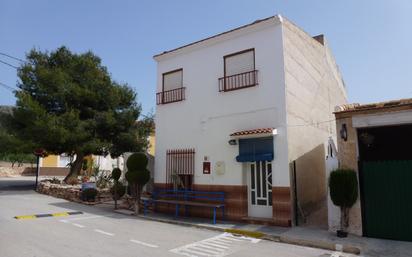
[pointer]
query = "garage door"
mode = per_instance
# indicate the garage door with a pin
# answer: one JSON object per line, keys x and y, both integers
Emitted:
{"x": 387, "y": 199}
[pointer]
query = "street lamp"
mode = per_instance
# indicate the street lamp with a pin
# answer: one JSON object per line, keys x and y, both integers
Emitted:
{"x": 39, "y": 152}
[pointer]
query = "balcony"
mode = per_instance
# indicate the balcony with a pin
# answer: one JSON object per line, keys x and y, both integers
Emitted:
{"x": 170, "y": 96}
{"x": 238, "y": 81}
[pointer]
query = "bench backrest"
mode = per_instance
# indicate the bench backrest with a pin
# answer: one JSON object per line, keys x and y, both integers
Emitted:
{"x": 189, "y": 195}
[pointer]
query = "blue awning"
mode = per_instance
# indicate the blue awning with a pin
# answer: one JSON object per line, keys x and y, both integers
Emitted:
{"x": 255, "y": 149}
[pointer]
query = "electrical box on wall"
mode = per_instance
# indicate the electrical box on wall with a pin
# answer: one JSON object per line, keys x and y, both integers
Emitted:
{"x": 220, "y": 168}
{"x": 206, "y": 167}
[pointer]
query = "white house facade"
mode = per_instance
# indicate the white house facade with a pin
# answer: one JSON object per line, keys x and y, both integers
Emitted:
{"x": 236, "y": 109}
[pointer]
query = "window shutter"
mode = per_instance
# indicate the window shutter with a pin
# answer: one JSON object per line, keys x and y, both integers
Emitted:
{"x": 173, "y": 80}
{"x": 240, "y": 63}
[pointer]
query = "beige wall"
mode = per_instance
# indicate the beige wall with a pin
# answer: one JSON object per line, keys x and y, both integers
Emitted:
{"x": 348, "y": 158}
{"x": 314, "y": 87}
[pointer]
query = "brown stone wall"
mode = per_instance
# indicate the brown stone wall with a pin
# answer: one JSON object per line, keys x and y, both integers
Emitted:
{"x": 235, "y": 202}
{"x": 282, "y": 206}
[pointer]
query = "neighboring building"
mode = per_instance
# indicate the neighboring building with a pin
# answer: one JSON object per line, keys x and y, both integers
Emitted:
{"x": 236, "y": 110}
{"x": 152, "y": 143}
{"x": 376, "y": 141}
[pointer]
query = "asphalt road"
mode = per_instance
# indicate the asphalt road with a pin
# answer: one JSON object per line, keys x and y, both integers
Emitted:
{"x": 100, "y": 232}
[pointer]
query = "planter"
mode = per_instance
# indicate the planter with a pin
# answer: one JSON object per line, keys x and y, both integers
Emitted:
{"x": 341, "y": 233}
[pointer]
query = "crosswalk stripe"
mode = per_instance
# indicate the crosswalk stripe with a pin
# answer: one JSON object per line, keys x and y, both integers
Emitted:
{"x": 215, "y": 245}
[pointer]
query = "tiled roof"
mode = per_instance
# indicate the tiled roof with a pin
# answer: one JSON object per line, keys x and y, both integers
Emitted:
{"x": 372, "y": 106}
{"x": 253, "y": 132}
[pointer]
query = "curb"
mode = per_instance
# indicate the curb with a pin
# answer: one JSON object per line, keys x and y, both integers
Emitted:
{"x": 260, "y": 235}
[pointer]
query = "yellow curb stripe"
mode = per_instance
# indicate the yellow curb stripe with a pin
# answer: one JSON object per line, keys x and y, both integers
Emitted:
{"x": 25, "y": 217}
{"x": 60, "y": 214}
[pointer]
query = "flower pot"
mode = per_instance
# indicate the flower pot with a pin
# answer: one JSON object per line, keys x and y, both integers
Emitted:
{"x": 341, "y": 233}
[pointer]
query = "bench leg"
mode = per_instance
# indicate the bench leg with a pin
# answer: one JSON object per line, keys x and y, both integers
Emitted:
{"x": 214, "y": 215}
{"x": 177, "y": 211}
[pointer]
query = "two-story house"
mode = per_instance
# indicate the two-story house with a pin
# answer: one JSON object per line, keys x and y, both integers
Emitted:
{"x": 236, "y": 109}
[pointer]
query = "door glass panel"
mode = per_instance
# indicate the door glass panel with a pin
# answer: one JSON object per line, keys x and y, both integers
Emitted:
{"x": 258, "y": 179}
{"x": 270, "y": 198}
{"x": 264, "y": 182}
{"x": 253, "y": 197}
{"x": 262, "y": 202}
{"x": 252, "y": 175}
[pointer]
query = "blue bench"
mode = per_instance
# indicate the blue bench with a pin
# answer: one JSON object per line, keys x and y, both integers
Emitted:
{"x": 185, "y": 198}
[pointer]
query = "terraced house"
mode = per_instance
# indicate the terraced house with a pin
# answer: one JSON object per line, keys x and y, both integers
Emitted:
{"x": 240, "y": 112}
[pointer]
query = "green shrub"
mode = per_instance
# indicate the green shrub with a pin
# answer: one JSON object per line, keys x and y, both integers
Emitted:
{"x": 89, "y": 194}
{"x": 116, "y": 173}
{"x": 137, "y": 175}
{"x": 343, "y": 187}
{"x": 118, "y": 190}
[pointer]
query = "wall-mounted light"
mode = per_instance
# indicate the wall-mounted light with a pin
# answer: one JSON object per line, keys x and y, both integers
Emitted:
{"x": 344, "y": 132}
{"x": 232, "y": 142}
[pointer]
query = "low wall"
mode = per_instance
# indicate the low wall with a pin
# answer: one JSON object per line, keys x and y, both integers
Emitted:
{"x": 69, "y": 192}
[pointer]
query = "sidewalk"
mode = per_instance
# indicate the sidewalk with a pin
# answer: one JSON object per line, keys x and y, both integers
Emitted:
{"x": 304, "y": 236}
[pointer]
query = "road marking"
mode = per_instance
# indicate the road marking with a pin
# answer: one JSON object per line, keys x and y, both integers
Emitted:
{"x": 218, "y": 246}
{"x": 103, "y": 232}
{"x": 91, "y": 217}
{"x": 78, "y": 225}
{"x": 64, "y": 221}
{"x": 143, "y": 243}
{"x": 58, "y": 214}
{"x": 25, "y": 217}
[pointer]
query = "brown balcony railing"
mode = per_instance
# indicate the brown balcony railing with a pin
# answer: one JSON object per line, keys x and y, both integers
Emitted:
{"x": 238, "y": 81}
{"x": 171, "y": 96}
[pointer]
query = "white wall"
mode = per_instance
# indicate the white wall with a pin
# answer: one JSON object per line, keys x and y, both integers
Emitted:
{"x": 207, "y": 117}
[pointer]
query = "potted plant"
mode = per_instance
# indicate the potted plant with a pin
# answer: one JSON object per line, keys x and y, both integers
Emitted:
{"x": 343, "y": 188}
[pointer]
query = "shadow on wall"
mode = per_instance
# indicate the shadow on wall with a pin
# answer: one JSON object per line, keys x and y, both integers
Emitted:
{"x": 311, "y": 188}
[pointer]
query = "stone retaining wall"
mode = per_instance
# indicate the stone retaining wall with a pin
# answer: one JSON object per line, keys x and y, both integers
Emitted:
{"x": 70, "y": 192}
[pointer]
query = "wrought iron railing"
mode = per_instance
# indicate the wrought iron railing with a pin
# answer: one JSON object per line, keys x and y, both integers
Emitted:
{"x": 238, "y": 81}
{"x": 171, "y": 96}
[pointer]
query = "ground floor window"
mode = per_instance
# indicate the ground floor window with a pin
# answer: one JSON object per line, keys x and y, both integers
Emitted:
{"x": 180, "y": 168}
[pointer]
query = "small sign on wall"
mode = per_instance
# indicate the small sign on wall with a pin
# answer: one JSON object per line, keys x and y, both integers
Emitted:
{"x": 220, "y": 168}
{"x": 206, "y": 167}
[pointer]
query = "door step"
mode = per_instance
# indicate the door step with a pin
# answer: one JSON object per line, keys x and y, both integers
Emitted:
{"x": 259, "y": 221}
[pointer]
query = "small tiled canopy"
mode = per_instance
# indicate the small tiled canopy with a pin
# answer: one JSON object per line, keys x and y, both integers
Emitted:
{"x": 253, "y": 132}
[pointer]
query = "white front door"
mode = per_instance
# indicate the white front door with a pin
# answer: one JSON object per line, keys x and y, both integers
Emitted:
{"x": 259, "y": 176}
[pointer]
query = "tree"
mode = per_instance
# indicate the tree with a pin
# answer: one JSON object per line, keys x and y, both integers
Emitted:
{"x": 68, "y": 103}
{"x": 116, "y": 173}
{"x": 343, "y": 185}
{"x": 137, "y": 175}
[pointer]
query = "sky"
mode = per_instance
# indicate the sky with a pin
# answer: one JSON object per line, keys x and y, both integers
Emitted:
{"x": 370, "y": 39}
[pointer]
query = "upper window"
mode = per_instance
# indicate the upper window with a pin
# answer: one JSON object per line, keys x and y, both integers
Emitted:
{"x": 239, "y": 71}
{"x": 240, "y": 62}
{"x": 172, "y": 80}
{"x": 172, "y": 87}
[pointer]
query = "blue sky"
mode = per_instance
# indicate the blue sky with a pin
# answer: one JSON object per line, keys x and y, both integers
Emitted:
{"x": 371, "y": 39}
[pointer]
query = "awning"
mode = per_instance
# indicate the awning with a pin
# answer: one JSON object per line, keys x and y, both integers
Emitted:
{"x": 255, "y": 149}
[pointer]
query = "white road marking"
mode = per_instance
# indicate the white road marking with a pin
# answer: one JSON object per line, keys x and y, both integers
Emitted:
{"x": 218, "y": 246}
{"x": 91, "y": 217}
{"x": 103, "y": 232}
{"x": 64, "y": 221}
{"x": 78, "y": 225}
{"x": 143, "y": 243}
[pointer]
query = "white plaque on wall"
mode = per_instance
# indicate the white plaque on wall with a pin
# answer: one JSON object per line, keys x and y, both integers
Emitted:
{"x": 220, "y": 167}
